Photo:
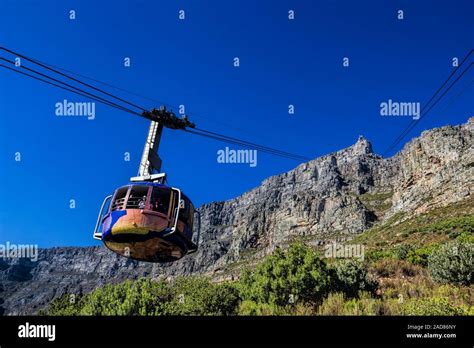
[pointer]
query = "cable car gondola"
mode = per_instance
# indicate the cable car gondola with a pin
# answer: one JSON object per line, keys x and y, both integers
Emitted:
{"x": 147, "y": 220}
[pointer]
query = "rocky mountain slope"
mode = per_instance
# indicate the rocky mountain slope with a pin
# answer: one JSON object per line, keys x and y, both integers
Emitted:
{"x": 334, "y": 197}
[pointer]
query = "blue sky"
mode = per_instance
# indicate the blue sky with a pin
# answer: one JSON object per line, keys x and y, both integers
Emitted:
{"x": 190, "y": 62}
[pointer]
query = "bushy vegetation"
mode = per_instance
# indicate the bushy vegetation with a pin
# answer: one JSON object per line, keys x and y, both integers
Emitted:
{"x": 185, "y": 296}
{"x": 453, "y": 262}
{"x": 297, "y": 281}
{"x": 338, "y": 304}
{"x": 448, "y": 257}
{"x": 436, "y": 226}
{"x": 433, "y": 306}
{"x": 350, "y": 277}
{"x": 394, "y": 268}
{"x": 298, "y": 274}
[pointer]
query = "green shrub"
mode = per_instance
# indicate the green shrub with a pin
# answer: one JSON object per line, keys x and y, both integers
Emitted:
{"x": 453, "y": 263}
{"x": 432, "y": 306}
{"x": 452, "y": 226}
{"x": 401, "y": 252}
{"x": 466, "y": 237}
{"x": 416, "y": 256}
{"x": 333, "y": 304}
{"x": 65, "y": 305}
{"x": 198, "y": 296}
{"x": 364, "y": 306}
{"x": 186, "y": 296}
{"x": 375, "y": 255}
{"x": 420, "y": 256}
{"x": 253, "y": 308}
{"x": 142, "y": 297}
{"x": 297, "y": 274}
{"x": 350, "y": 277}
{"x": 337, "y": 304}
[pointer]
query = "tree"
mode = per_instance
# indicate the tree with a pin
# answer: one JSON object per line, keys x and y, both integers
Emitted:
{"x": 286, "y": 277}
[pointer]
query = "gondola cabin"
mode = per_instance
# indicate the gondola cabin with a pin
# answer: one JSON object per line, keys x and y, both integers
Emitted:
{"x": 147, "y": 221}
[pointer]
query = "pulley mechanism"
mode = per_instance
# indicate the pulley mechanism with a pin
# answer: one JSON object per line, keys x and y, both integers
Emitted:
{"x": 168, "y": 118}
{"x": 150, "y": 164}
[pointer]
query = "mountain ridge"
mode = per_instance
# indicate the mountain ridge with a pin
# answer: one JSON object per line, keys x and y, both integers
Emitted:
{"x": 333, "y": 197}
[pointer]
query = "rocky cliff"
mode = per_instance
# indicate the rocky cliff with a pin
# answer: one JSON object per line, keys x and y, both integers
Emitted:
{"x": 336, "y": 196}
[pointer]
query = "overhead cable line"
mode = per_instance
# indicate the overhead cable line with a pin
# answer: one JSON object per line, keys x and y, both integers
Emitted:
{"x": 71, "y": 78}
{"x": 249, "y": 145}
{"x": 154, "y": 100}
{"x": 413, "y": 123}
{"x": 92, "y": 96}
{"x": 430, "y": 108}
{"x": 62, "y": 87}
{"x": 79, "y": 91}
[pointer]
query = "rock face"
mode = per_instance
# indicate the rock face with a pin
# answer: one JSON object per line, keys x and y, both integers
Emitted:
{"x": 332, "y": 197}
